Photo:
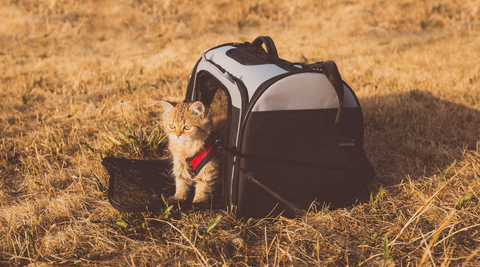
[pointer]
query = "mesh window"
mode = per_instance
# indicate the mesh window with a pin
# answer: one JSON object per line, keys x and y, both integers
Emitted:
{"x": 137, "y": 185}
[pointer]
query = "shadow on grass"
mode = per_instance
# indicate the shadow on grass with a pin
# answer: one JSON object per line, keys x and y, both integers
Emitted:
{"x": 416, "y": 134}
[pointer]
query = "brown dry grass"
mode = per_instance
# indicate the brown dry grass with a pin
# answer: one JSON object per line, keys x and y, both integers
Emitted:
{"x": 64, "y": 67}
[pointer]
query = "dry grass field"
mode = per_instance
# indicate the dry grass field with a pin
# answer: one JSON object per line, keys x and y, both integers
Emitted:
{"x": 71, "y": 69}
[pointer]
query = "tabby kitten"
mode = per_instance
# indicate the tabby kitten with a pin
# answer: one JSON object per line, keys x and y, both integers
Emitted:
{"x": 188, "y": 127}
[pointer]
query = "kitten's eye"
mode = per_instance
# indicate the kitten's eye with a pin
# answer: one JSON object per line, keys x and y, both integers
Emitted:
{"x": 171, "y": 126}
{"x": 187, "y": 127}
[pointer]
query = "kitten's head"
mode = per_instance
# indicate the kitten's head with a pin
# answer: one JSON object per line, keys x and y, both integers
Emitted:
{"x": 186, "y": 121}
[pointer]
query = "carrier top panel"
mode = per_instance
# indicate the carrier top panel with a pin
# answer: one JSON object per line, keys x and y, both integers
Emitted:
{"x": 251, "y": 75}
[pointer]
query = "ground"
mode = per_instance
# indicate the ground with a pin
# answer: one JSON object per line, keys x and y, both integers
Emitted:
{"x": 71, "y": 72}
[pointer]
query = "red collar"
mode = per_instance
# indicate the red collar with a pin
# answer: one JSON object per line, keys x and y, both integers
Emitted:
{"x": 202, "y": 157}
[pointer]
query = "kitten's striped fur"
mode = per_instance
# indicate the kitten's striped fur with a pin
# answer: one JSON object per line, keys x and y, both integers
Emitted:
{"x": 188, "y": 126}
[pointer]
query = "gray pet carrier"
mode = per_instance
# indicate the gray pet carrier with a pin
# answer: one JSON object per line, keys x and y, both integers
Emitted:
{"x": 294, "y": 134}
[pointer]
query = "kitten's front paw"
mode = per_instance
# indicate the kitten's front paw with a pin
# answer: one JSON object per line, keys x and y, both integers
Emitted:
{"x": 172, "y": 200}
{"x": 200, "y": 199}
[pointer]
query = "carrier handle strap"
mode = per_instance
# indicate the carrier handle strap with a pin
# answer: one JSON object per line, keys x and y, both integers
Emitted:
{"x": 256, "y": 47}
{"x": 250, "y": 177}
{"x": 333, "y": 75}
{"x": 330, "y": 70}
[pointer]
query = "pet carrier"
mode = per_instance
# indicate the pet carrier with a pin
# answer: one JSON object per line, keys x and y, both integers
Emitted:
{"x": 294, "y": 136}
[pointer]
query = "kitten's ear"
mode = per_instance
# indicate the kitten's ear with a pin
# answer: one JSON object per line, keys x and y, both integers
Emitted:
{"x": 167, "y": 105}
{"x": 198, "y": 108}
